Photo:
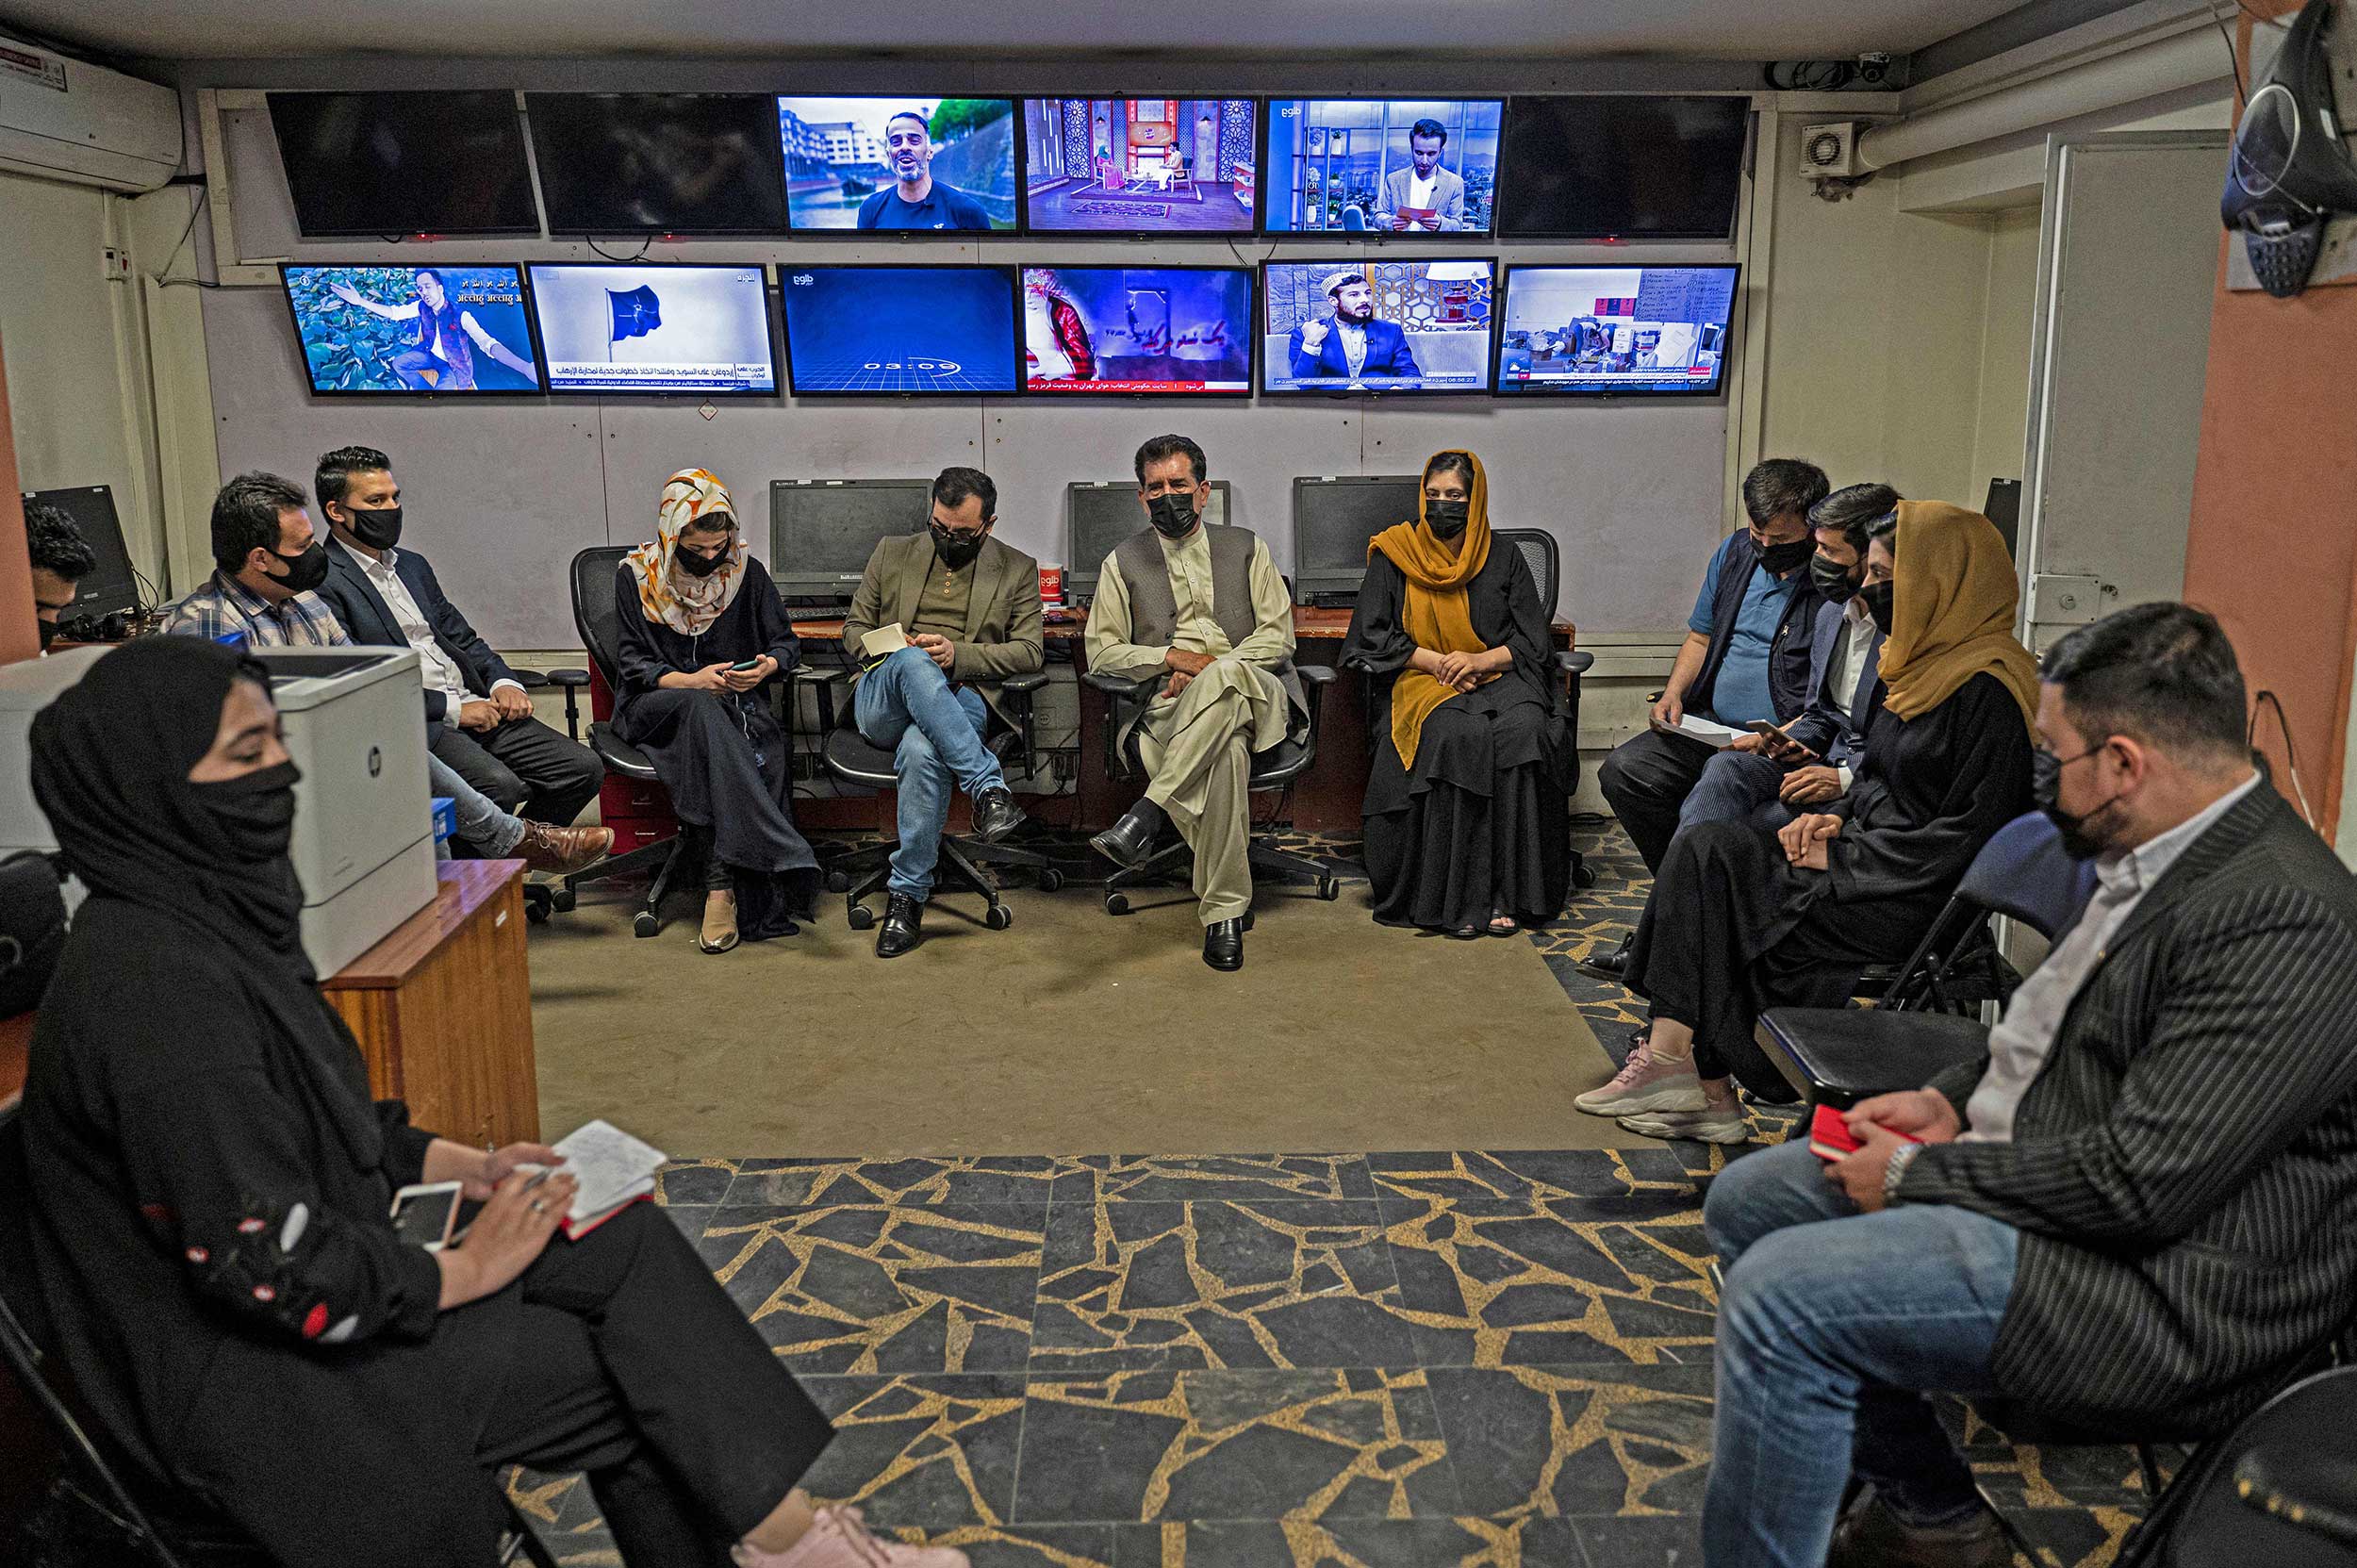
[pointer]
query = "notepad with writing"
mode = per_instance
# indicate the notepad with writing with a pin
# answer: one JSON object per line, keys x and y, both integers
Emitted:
{"x": 613, "y": 1169}
{"x": 883, "y": 641}
{"x": 1715, "y": 735}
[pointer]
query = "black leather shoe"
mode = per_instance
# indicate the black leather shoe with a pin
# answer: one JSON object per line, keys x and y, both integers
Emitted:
{"x": 1223, "y": 943}
{"x": 1130, "y": 841}
{"x": 903, "y": 926}
{"x": 1870, "y": 1535}
{"x": 996, "y": 815}
{"x": 1614, "y": 965}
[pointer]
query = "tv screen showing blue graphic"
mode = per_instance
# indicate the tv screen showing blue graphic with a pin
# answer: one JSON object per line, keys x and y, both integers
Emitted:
{"x": 899, "y": 163}
{"x": 1624, "y": 331}
{"x": 1398, "y": 166}
{"x": 442, "y": 331}
{"x": 654, "y": 329}
{"x": 899, "y": 330}
{"x": 1148, "y": 166}
{"x": 1138, "y": 330}
{"x": 1340, "y": 326}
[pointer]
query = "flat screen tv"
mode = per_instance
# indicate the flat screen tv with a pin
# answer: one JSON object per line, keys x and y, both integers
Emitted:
{"x": 658, "y": 162}
{"x": 1141, "y": 331}
{"x": 1140, "y": 166}
{"x": 1616, "y": 331}
{"x": 1622, "y": 168}
{"x": 1101, "y": 514}
{"x": 900, "y": 331}
{"x": 637, "y": 328}
{"x": 446, "y": 331}
{"x": 1391, "y": 327}
{"x": 822, "y": 531}
{"x": 905, "y": 164}
{"x": 1400, "y": 167}
{"x": 1334, "y": 517}
{"x": 399, "y": 163}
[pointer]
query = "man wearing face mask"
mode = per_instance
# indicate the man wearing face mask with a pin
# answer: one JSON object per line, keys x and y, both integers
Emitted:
{"x": 1203, "y": 609}
{"x": 1351, "y": 344}
{"x": 969, "y": 605}
{"x": 61, "y": 558}
{"x": 478, "y": 717}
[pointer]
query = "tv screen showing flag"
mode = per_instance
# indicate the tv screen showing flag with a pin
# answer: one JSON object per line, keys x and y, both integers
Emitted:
{"x": 899, "y": 163}
{"x": 899, "y": 330}
{"x": 1621, "y": 331}
{"x": 1389, "y": 327}
{"x": 1139, "y": 166}
{"x": 444, "y": 331}
{"x": 697, "y": 331}
{"x": 1397, "y": 166}
{"x": 1152, "y": 331}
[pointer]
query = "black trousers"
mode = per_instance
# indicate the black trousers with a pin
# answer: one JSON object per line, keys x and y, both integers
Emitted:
{"x": 527, "y": 769}
{"x": 1647, "y": 778}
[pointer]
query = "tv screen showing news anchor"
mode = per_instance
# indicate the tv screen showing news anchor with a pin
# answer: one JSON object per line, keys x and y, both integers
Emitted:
{"x": 1619, "y": 330}
{"x": 1139, "y": 165}
{"x": 439, "y": 330}
{"x": 1398, "y": 166}
{"x": 899, "y": 163}
{"x": 1382, "y": 326}
{"x": 1145, "y": 330}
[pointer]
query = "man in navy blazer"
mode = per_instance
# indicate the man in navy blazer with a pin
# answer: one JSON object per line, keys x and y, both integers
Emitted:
{"x": 477, "y": 714}
{"x": 1351, "y": 343}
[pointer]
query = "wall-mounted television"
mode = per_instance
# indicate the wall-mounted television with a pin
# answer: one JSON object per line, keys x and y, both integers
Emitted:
{"x": 899, "y": 164}
{"x": 652, "y": 329}
{"x": 1138, "y": 331}
{"x": 1616, "y": 331}
{"x": 658, "y": 162}
{"x": 1140, "y": 166}
{"x": 396, "y": 163}
{"x": 1386, "y": 326}
{"x": 443, "y": 331}
{"x": 1622, "y": 168}
{"x": 1397, "y": 166}
{"x": 900, "y": 331}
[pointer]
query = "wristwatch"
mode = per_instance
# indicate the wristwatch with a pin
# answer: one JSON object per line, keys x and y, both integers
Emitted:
{"x": 1896, "y": 1171}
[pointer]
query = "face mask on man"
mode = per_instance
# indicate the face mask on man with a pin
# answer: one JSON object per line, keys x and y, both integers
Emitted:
{"x": 2046, "y": 793}
{"x": 305, "y": 571}
{"x": 1173, "y": 515}
{"x": 696, "y": 565}
{"x": 1832, "y": 579}
{"x": 1447, "y": 519}
{"x": 256, "y": 813}
{"x": 1781, "y": 558}
{"x": 957, "y": 550}
{"x": 1878, "y": 597}
{"x": 379, "y": 528}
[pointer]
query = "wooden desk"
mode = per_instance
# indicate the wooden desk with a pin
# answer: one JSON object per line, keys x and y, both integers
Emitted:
{"x": 442, "y": 1008}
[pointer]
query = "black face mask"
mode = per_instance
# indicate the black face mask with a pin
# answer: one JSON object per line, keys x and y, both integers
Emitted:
{"x": 305, "y": 571}
{"x": 1832, "y": 579}
{"x": 1447, "y": 519}
{"x": 698, "y": 565}
{"x": 379, "y": 529}
{"x": 48, "y": 634}
{"x": 957, "y": 551}
{"x": 1878, "y": 604}
{"x": 1781, "y": 558}
{"x": 2046, "y": 793}
{"x": 1173, "y": 516}
{"x": 256, "y": 813}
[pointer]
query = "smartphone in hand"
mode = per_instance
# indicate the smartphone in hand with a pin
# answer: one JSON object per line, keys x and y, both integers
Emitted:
{"x": 743, "y": 665}
{"x": 424, "y": 1213}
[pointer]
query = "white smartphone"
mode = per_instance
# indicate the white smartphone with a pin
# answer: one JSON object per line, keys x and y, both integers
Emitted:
{"x": 424, "y": 1213}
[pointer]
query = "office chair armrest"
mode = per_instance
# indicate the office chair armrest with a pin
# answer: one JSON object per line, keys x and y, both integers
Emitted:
{"x": 532, "y": 680}
{"x": 1129, "y": 688}
{"x": 1025, "y": 684}
{"x": 812, "y": 675}
{"x": 1574, "y": 661}
{"x": 1315, "y": 675}
{"x": 567, "y": 678}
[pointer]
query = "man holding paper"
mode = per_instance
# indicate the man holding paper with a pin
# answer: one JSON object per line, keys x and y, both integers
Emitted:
{"x": 940, "y": 619}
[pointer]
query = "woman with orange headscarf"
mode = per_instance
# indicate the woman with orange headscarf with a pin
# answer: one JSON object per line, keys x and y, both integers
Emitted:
{"x": 1467, "y": 825}
{"x": 702, "y": 631}
{"x": 1742, "y": 919}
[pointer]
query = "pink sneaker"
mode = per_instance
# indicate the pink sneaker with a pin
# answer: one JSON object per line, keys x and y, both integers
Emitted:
{"x": 1719, "y": 1121}
{"x": 1645, "y": 1084}
{"x": 840, "y": 1539}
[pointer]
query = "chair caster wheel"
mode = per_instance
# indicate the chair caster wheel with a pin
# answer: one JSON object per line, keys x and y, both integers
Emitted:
{"x": 1051, "y": 880}
{"x": 645, "y": 923}
{"x": 561, "y": 900}
{"x": 536, "y": 913}
{"x": 838, "y": 882}
{"x": 1116, "y": 903}
{"x": 862, "y": 918}
{"x": 1583, "y": 878}
{"x": 998, "y": 917}
{"x": 1328, "y": 889}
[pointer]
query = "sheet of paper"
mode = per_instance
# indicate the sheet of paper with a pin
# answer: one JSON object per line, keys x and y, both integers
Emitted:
{"x": 1716, "y": 736}
{"x": 610, "y": 1165}
{"x": 884, "y": 640}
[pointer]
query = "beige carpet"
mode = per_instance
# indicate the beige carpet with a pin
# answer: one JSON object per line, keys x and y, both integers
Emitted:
{"x": 1073, "y": 1033}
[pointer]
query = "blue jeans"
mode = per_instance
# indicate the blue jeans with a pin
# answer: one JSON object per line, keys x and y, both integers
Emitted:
{"x": 482, "y": 826}
{"x": 1737, "y": 786}
{"x": 1832, "y": 1326}
{"x": 907, "y": 704}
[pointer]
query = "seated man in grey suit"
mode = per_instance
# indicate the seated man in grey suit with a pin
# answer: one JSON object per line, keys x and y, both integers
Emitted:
{"x": 1765, "y": 781}
{"x": 1422, "y": 187}
{"x": 969, "y": 606}
{"x": 2132, "y": 1212}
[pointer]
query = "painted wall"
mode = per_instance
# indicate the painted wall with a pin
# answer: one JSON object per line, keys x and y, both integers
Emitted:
{"x": 19, "y": 640}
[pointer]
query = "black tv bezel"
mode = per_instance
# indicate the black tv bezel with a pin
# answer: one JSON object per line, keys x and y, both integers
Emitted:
{"x": 1623, "y": 236}
{"x": 1497, "y": 370}
{"x": 772, "y": 150}
{"x": 1075, "y": 570}
{"x": 1497, "y": 313}
{"x": 383, "y": 231}
{"x": 1264, "y": 187}
{"x": 880, "y": 237}
{"x": 532, "y": 328}
{"x": 796, "y": 584}
{"x": 768, "y": 317}
{"x": 1248, "y": 229}
{"x": 92, "y": 594}
{"x": 1007, "y": 270}
{"x": 1252, "y": 365}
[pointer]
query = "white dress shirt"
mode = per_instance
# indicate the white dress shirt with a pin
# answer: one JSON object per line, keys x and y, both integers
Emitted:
{"x": 440, "y": 672}
{"x": 1847, "y": 659}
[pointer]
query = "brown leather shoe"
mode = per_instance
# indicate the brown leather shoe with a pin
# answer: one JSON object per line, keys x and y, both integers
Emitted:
{"x": 1871, "y": 1536}
{"x": 719, "y": 928}
{"x": 563, "y": 851}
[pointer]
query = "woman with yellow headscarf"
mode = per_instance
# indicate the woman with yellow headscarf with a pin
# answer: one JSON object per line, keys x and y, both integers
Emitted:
{"x": 1467, "y": 824}
{"x": 1742, "y": 919}
{"x": 703, "y": 632}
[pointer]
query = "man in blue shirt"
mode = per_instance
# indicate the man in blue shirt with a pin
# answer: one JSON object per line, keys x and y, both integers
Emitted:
{"x": 918, "y": 200}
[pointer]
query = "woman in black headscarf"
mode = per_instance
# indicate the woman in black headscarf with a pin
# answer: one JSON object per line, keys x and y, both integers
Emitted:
{"x": 210, "y": 1184}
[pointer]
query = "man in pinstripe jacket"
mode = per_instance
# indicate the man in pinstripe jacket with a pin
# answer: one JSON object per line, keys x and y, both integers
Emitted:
{"x": 2138, "y": 1211}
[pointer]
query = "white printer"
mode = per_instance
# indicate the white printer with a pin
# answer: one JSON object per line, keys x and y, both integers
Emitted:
{"x": 363, "y": 830}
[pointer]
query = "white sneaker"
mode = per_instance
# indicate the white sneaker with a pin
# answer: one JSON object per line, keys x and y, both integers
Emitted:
{"x": 840, "y": 1539}
{"x": 1720, "y": 1120}
{"x": 1645, "y": 1084}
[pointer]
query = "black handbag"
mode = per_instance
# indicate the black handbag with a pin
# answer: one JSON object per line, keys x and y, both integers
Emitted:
{"x": 32, "y": 928}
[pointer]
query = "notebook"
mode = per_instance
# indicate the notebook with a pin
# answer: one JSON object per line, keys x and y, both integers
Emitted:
{"x": 613, "y": 1169}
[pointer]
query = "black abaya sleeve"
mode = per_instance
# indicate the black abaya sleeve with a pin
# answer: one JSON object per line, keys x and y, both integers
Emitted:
{"x": 1529, "y": 626}
{"x": 641, "y": 657}
{"x": 1376, "y": 637}
{"x": 773, "y": 633}
{"x": 404, "y": 1145}
{"x": 1981, "y": 748}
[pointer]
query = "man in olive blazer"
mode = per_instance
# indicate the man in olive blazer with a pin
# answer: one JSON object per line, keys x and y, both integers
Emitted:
{"x": 969, "y": 607}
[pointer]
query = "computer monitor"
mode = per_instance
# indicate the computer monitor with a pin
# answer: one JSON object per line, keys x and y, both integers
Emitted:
{"x": 1334, "y": 517}
{"x": 822, "y": 531}
{"x": 648, "y": 330}
{"x": 1103, "y": 513}
{"x": 111, "y": 585}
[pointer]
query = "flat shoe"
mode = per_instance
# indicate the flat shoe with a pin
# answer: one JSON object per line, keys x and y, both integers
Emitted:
{"x": 720, "y": 931}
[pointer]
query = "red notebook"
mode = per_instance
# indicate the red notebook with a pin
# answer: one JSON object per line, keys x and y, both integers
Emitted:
{"x": 1829, "y": 1136}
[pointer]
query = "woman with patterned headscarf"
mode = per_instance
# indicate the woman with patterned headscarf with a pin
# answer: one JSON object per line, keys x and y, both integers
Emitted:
{"x": 703, "y": 632}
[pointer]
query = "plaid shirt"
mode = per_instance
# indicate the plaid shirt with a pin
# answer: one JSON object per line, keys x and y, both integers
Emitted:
{"x": 223, "y": 606}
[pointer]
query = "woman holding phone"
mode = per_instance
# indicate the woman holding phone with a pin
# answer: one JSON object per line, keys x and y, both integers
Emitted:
{"x": 703, "y": 632}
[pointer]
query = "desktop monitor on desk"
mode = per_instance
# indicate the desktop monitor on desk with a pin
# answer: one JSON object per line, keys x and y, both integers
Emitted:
{"x": 112, "y": 585}
{"x": 822, "y": 531}
{"x": 1333, "y": 520}
{"x": 1104, "y": 513}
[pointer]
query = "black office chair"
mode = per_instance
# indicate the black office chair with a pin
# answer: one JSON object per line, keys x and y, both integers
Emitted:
{"x": 853, "y": 759}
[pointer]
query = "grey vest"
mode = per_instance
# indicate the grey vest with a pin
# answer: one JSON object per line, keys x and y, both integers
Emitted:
{"x": 1154, "y": 607}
